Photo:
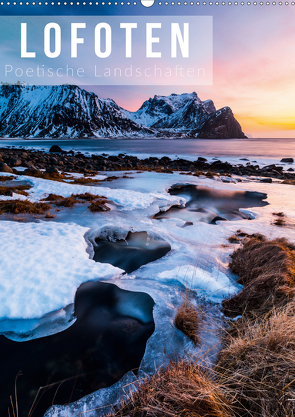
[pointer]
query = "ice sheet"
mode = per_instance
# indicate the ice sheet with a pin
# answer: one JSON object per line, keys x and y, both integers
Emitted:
{"x": 41, "y": 266}
{"x": 46, "y": 261}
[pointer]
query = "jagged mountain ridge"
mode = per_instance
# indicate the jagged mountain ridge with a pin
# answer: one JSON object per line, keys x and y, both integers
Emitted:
{"x": 69, "y": 111}
{"x": 61, "y": 111}
{"x": 169, "y": 111}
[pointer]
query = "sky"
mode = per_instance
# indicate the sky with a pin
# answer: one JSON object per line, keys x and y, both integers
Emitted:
{"x": 253, "y": 64}
{"x": 253, "y": 71}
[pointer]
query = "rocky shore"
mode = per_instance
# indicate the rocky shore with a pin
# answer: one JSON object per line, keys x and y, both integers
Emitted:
{"x": 11, "y": 158}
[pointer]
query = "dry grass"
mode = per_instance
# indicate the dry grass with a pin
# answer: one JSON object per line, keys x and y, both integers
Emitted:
{"x": 290, "y": 182}
{"x": 61, "y": 201}
{"x": 266, "y": 269}
{"x": 84, "y": 181}
{"x": 53, "y": 176}
{"x": 280, "y": 220}
{"x": 279, "y": 214}
{"x": 257, "y": 364}
{"x": 255, "y": 372}
{"x": 179, "y": 390}
{"x": 4, "y": 178}
{"x": 23, "y": 206}
{"x": 87, "y": 196}
{"x": 188, "y": 319}
{"x": 233, "y": 239}
{"x": 97, "y": 202}
{"x": 99, "y": 205}
{"x": 53, "y": 197}
{"x": 18, "y": 189}
{"x": 50, "y": 215}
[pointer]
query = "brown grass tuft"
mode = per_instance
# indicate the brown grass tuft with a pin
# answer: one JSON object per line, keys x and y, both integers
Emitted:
{"x": 53, "y": 197}
{"x": 87, "y": 196}
{"x": 50, "y": 216}
{"x": 61, "y": 201}
{"x": 290, "y": 182}
{"x": 4, "y": 178}
{"x": 279, "y": 214}
{"x": 84, "y": 181}
{"x": 99, "y": 206}
{"x": 279, "y": 222}
{"x": 66, "y": 201}
{"x": 210, "y": 174}
{"x": 266, "y": 269}
{"x": 233, "y": 239}
{"x": 187, "y": 320}
{"x": 23, "y": 206}
{"x": 258, "y": 363}
{"x": 54, "y": 176}
{"x": 18, "y": 189}
{"x": 179, "y": 390}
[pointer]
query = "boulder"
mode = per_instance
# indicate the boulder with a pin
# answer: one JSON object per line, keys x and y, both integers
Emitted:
{"x": 55, "y": 148}
{"x": 15, "y": 162}
{"x": 52, "y": 170}
{"x": 267, "y": 180}
{"x": 289, "y": 160}
{"x": 5, "y": 168}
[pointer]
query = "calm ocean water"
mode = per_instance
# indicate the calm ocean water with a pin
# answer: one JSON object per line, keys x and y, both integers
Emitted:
{"x": 266, "y": 150}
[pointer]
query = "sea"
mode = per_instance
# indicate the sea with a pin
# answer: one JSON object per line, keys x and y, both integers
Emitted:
{"x": 261, "y": 150}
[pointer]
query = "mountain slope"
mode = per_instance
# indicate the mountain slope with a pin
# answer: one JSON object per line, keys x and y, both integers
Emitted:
{"x": 160, "y": 108}
{"x": 61, "y": 111}
{"x": 221, "y": 125}
{"x": 69, "y": 111}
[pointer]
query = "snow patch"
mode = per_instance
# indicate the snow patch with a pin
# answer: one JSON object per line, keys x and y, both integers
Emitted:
{"x": 41, "y": 266}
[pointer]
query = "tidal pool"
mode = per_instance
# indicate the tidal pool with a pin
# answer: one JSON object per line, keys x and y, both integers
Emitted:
{"x": 131, "y": 253}
{"x": 210, "y": 205}
{"x": 106, "y": 341}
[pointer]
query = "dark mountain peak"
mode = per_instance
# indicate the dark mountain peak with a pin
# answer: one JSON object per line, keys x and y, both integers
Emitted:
{"x": 221, "y": 125}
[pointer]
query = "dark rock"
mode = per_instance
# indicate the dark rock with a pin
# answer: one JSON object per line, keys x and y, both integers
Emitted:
{"x": 290, "y": 160}
{"x": 34, "y": 172}
{"x": 52, "y": 170}
{"x": 267, "y": 180}
{"x": 15, "y": 162}
{"x": 55, "y": 148}
{"x": 5, "y": 168}
{"x": 187, "y": 224}
{"x": 218, "y": 218}
{"x": 290, "y": 169}
{"x": 200, "y": 158}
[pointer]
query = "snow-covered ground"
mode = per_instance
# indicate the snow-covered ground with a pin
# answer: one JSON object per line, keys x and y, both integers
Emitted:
{"x": 43, "y": 262}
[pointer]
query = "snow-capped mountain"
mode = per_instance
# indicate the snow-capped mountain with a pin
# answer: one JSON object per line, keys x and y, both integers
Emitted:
{"x": 61, "y": 111}
{"x": 69, "y": 111}
{"x": 162, "y": 111}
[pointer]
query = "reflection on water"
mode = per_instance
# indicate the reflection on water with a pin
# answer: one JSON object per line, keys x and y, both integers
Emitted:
{"x": 209, "y": 205}
{"x": 131, "y": 253}
{"x": 107, "y": 340}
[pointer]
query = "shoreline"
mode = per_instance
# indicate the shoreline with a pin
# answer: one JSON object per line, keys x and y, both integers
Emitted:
{"x": 71, "y": 161}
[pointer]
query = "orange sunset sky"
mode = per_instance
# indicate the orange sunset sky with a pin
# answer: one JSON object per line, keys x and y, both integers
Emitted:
{"x": 254, "y": 71}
